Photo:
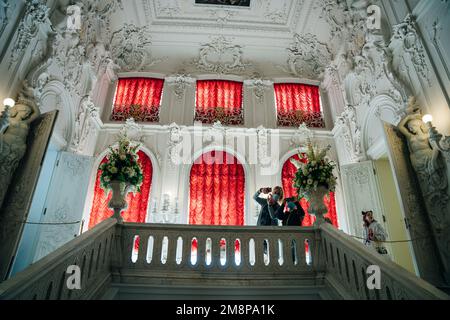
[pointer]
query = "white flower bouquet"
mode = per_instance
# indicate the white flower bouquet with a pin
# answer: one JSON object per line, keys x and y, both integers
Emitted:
{"x": 122, "y": 165}
{"x": 314, "y": 171}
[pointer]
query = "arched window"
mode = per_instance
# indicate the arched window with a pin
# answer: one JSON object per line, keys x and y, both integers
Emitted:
{"x": 137, "y": 203}
{"x": 217, "y": 190}
{"x": 287, "y": 177}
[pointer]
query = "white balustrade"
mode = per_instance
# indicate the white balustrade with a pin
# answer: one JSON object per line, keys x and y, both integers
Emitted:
{"x": 347, "y": 262}
{"x": 218, "y": 248}
{"x": 132, "y": 253}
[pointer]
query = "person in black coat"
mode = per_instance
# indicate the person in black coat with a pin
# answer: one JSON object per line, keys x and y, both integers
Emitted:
{"x": 290, "y": 212}
{"x": 266, "y": 217}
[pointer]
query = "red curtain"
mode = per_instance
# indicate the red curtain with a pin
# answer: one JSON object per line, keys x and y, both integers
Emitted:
{"x": 219, "y": 100}
{"x": 297, "y": 103}
{"x": 217, "y": 185}
{"x": 137, "y": 203}
{"x": 287, "y": 177}
{"x": 139, "y": 98}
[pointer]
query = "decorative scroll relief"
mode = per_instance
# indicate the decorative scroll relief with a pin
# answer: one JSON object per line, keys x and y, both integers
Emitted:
{"x": 346, "y": 128}
{"x": 217, "y": 136}
{"x": 221, "y": 56}
{"x": 96, "y": 20}
{"x": 6, "y": 7}
{"x": 264, "y": 156}
{"x": 277, "y": 11}
{"x": 35, "y": 17}
{"x": 180, "y": 82}
{"x": 405, "y": 41}
{"x": 259, "y": 87}
{"x": 130, "y": 48}
{"x": 168, "y": 8}
{"x": 175, "y": 143}
{"x": 301, "y": 136}
{"x": 132, "y": 130}
{"x": 222, "y": 16}
{"x": 85, "y": 126}
{"x": 307, "y": 57}
{"x": 371, "y": 75}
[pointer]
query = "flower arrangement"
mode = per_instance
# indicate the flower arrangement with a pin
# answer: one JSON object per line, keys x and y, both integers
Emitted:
{"x": 314, "y": 171}
{"x": 122, "y": 165}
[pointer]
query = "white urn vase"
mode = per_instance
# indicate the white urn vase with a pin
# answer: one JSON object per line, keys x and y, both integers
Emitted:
{"x": 317, "y": 207}
{"x": 118, "y": 203}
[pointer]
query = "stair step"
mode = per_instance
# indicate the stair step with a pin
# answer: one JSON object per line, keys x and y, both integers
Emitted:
{"x": 174, "y": 292}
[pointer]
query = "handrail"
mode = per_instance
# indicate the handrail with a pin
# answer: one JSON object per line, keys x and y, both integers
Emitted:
{"x": 46, "y": 279}
{"x": 347, "y": 262}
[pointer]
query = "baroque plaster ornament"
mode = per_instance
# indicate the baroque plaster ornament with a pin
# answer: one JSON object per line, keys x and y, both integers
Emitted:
{"x": 180, "y": 82}
{"x": 13, "y": 142}
{"x": 175, "y": 144}
{"x": 130, "y": 48}
{"x": 307, "y": 57}
{"x": 301, "y": 136}
{"x": 350, "y": 132}
{"x": 222, "y": 16}
{"x": 84, "y": 124}
{"x": 6, "y": 6}
{"x": 220, "y": 55}
{"x": 168, "y": 8}
{"x": 263, "y": 146}
{"x": 259, "y": 87}
{"x": 371, "y": 75}
{"x": 215, "y": 134}
{"x": 132, "y": 130}
{"x": 96, "y": 20}
{"x": 275, "y": 13}
{"x": 405, "y": 44}
{"x": 35, "y": 18}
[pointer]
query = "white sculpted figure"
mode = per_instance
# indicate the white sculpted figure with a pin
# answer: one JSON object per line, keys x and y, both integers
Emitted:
{"x": 426, "y": 160}
{"x": 13, "y": 140}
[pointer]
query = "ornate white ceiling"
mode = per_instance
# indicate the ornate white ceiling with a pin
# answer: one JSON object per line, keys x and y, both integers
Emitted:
{"x": 270, "y": 38}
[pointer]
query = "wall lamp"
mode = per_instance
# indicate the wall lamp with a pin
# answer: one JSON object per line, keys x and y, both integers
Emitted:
{"x": 4, "y": 115}
{"x": 441, "y": 142}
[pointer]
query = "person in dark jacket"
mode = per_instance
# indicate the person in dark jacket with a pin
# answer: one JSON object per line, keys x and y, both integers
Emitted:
{"x": 266, "y": 217}
{"x": 290, "y": 212}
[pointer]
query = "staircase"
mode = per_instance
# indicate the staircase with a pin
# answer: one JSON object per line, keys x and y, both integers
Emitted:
{"x": 179, "y": 262}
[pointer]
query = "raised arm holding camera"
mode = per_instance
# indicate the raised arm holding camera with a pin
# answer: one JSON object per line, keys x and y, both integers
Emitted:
{"x": 267, "y": 217}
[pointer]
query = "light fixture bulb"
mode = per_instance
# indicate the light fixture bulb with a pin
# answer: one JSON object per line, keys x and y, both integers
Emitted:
{"x": 9, "y": 102}
{"x": 427, "y": 118}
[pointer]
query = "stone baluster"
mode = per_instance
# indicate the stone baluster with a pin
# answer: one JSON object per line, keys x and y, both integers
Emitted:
{"x": 143, "y": 247}
{"x": 186, "y": 252}
{"x": 172, "y": 250}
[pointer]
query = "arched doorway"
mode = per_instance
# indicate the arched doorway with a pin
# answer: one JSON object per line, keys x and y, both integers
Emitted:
{"x": 137, "y": 203}
{"x": 287, "y": 178}
{"x": 217, "y": 190}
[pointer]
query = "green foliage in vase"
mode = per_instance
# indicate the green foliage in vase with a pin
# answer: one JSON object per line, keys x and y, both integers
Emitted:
{"x": 313, "y": 170}
{"x": 122, "y": 165}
